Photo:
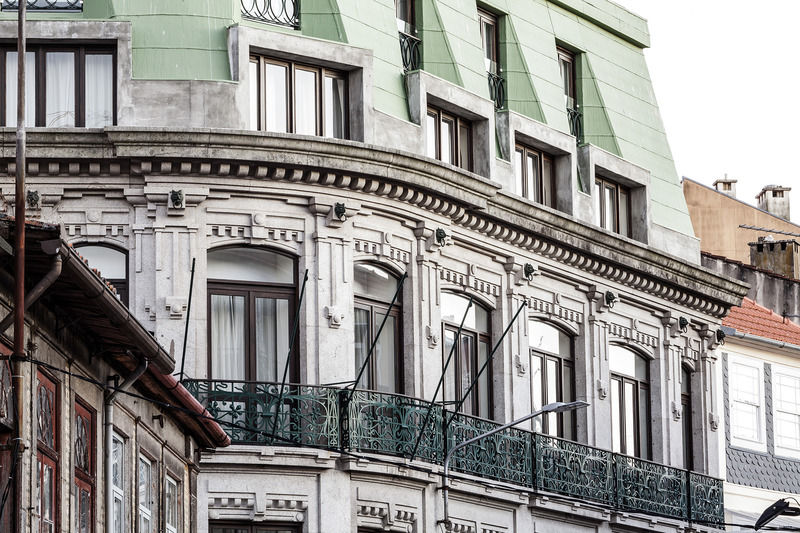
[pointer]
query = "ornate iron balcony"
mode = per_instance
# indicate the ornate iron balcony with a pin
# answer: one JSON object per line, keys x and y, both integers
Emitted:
{"x": 390, "y": 424}
{"x": 497, "y": 89}
{"x": 410, "y": 51}
{"x": 575, "y": 118}
{"x": 45, "y": 5}
{"x": 280, "y": 12}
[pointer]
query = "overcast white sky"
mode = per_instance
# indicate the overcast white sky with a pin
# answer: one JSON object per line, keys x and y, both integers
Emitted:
{"x": 727, "y": 80}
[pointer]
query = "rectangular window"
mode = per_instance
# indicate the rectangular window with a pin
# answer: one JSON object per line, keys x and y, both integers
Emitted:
{"x": 118, "y": 482}
{"x": 746, "y": 394}
{"x": 66, "y": 86}
{"x": 172, "y": 505}
{"x": 535, "y": 176}
{"x": 288, "y": 97}
{"x": 449, "y": 138}
{"x": 786, "y": 410}
{"x": 489, "y": 40}
{"x": 612, "y": 206}
{"x": 83, "y": 449}
{"x": 566, "y": 64}
{"x": 146, "y": 518}
{"x": 47, "y": 413}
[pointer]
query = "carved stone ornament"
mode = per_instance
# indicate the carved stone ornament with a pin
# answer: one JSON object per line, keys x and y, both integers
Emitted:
{"x": 176, "y": 199}
{"x": 32, "y": 198}
{"x": 713, "y": 421}
{"x": 602, "y": 390}
{"x": 432, "y": 334}
{"x": 334, "y": 315}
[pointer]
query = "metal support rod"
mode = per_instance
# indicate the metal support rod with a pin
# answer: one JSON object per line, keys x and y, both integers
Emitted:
{"x": 288, "y": 358}
{"x": 18, "y": 366}
{"x": 485, "y": 364}
{"x": 441, "y": 378}
{"x": 555, "y": 407}
{"x": 375, "y": 339}
{"x": 188, "y": 313}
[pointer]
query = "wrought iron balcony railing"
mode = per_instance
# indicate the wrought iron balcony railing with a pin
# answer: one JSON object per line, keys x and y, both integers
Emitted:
{"x": 280, "y": 12}
{"x": 45, "y": 5}
{"x": 410, "y": 51}
{"x": 575, "y": 119}
{"x": 497, "y": 89}
{"x": 390, "y": 424}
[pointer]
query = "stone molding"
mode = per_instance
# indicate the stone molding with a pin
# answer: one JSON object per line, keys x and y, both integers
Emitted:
{"x": 469, "y": 201}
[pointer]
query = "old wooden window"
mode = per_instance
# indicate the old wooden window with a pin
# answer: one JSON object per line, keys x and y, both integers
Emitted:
{"x": 67, "y": 86}
{"x": 84, "y": 458}
{"x": 47, "y": 453}
{"x": 172, "y": 505}
{"x": 566, "y": 64}
{"x": 471, "y": 352}
{"x": 552, "y": 372}
{"x": 686, "y": 418}
{"x": 612, "y": 206}
{"x": 489, "y": 40}
{"x": 289, "y": 97}
{"x": 535, "y": 173}
{"x": 147, "y": 515}
{"x": 374, "y": 288}
{"x": 118, "y": 482}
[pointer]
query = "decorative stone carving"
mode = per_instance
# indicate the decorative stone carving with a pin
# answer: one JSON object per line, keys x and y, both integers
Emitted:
{"x": 334, "y": 315}
{"x": 552, "y": 309}
{"x": 257, "y": 507}
{"x": 713, "y": 421}
{"x": 387, "y": 516}
{"x": 521, "y": 367}
{"x": 176, "y": 306}
{"x": 432, "y": 334}
{"x": 602, "y": 390}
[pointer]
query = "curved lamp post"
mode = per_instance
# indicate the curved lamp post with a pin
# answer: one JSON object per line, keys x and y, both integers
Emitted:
{"x": 780, "y": 507}
{"x": 555, "y": 407}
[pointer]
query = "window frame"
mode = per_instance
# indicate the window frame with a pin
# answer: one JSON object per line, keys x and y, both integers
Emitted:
{"x": 601, "y": 184}
{"x": 561, "y": 362}
{"x": 570, "y": 93}
{"x": 118, "y": 492}
{"x": 440, "y": 117}
{"x": 80, "y": 49}
{"x": 122, "y": 285}
{"x": 169, "y": 478}
{"x": 149, "y": 509}
{"x": 250, "y": 527}
{"x": 321, "y": 73}
{"x": 46, "y": 455}
{"x": 486, "y": 18}
{"x": 687, "y": 419}
{"x": 252, "y": 290}
{"x": 456, "y": 363}
{"x": 793, "y": 373}
{"x": 85, "y": 480}
{"x": 639, "y": 386}
{"x": 761, "y": 422}
{"x": 377, "y": 309}
{"x": 523, "y": 178}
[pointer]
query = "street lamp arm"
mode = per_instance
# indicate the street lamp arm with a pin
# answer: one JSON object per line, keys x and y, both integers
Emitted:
{"x": 555, "y": 407}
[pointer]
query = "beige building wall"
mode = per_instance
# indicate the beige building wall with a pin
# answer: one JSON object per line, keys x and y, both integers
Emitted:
{"x": 716, "y": 218}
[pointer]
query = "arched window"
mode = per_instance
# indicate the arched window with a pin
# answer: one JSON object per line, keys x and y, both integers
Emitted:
{"x": 686, "y": 417}
{"x": 112, "y": 264}
{"x": 552, "y": 376}
{"x": 374, "y": 289}
{"x": 470, "y": 353}
{"x": 630, "y": 402}
{"x": 251, "y": 299}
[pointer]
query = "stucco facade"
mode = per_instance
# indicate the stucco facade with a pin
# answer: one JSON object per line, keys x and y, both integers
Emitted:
{"x": 179, "y": 176}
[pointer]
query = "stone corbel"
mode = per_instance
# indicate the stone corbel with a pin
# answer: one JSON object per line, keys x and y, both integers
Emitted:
{"x": 676, "y": 411}
{"x": 600, "y": 299}
{"x": 521, "y": 367}
{"x": 438, "y": 239}
{"x": 713, "y": 421}
{"x": 432, "y": 334}
{"x": 176, "y": 306}
{"x": 335, "y": 213}
{"x": 334, "y": 315}
{"x": 711, "y": 341}
{"x": 522, "y": 273}
{"x": 602, "y": 390}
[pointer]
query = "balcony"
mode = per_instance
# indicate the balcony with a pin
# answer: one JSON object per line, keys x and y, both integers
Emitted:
{"x": 409, "y": 46}
{"x": 44, "y": 5}
{"x": 497, "y": 84}
{"x": 575, "y": 119}
{"x": 280, "y": 12}
{"x": 390, "y": 424}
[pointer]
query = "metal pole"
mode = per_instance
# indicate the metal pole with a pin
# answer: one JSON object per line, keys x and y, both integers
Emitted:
{"x": 19, "y": 271}
{"x": 186, "y": 329}
{"x": 441, "y": 378}
{"x": 485, "y": 364}
{"x": 375, "y": 339}
{"x": 288, "y": 358}
{"x": 555, "y": 407}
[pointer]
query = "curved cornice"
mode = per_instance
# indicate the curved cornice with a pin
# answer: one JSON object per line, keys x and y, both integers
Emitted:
{"x": 468, "y": 200}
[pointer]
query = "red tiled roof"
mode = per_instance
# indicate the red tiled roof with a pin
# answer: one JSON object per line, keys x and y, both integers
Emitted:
{"x": 757, "y": 320}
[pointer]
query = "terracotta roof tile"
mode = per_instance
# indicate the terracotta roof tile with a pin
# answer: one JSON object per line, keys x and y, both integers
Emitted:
{"x": 757, "y": 320}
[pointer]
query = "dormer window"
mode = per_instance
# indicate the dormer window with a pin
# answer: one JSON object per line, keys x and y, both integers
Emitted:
{"x": 449, "y": 138}
{"x": 612, "y": 206}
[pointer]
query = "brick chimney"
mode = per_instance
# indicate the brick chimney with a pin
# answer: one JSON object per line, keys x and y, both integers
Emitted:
{"x": 780, "y": 257}
{"x": 775, "y": 200}
{"x": 726, "y": 186}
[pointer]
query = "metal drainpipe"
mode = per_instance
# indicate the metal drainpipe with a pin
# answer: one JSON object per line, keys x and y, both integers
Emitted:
{"x": 109, "y": 437}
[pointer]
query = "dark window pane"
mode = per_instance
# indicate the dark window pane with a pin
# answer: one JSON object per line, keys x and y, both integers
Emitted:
{"x": 464, "y": 134}
{"x": 568, "y": 395}
{"x": 483, "y": 381}
{"x": 548, "y": 191}
{"x": 334, "y": 107}
{"x": 644, "y": 423}
{"x": 624, "y": 212}
{"x": 466, "y": 352}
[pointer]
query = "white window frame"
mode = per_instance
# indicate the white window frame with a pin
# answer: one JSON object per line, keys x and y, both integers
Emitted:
{"x": 145, "y": 508}
{"x": 118, "y": 492}
{"x": 760, "y": 444}
{"x": 172, "y": 528}
{"x": 791, "y": 372}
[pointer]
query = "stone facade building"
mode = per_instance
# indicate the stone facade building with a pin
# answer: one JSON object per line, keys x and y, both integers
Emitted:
{"x": 308, "y": 189}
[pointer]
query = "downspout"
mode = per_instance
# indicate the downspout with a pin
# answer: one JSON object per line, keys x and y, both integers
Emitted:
{"x": 109, "y": 437}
